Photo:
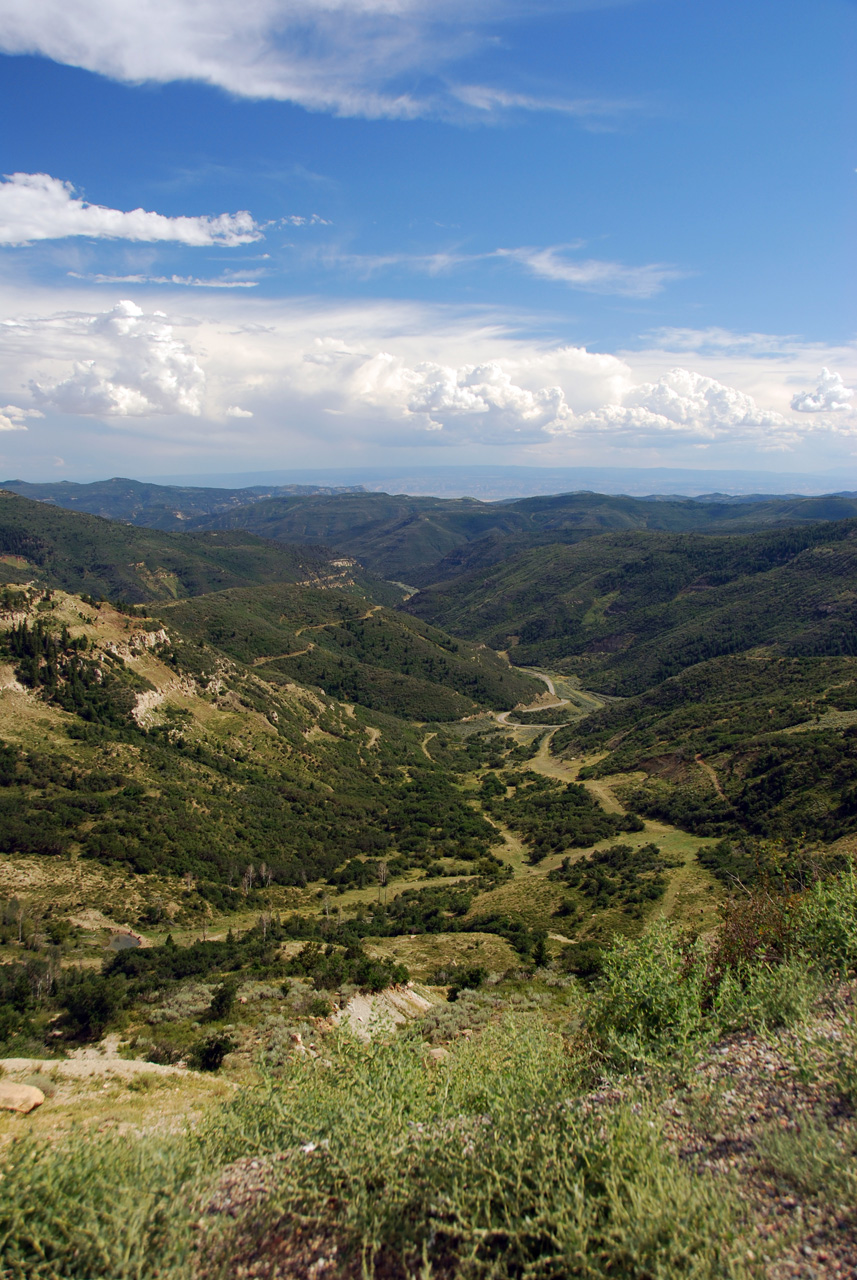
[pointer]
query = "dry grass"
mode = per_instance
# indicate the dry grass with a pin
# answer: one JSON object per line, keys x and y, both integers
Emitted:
{"x": 425, "y": 953}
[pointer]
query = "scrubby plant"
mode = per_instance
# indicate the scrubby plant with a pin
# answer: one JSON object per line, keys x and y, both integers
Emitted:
{"x": 208, "y": 1052}
{"x": 651, "y": 1000}
{"x": 809, "y": 1158}
{"x": 492, "y": 1170}
{"x": 222, "y": 1000}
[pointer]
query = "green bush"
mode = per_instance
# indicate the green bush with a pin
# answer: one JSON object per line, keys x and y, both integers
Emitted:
{"x": 827, "y": 923}
{"x": 208, "y": 1053}
{"x": 651, "y": 1001}
{"x": 809, "y": 1158}
{"x": 91, "y": 1001}
{"x": 762, "y": 996}
{"x": 467, "y": 979}
{"x": 222, "y": 1001}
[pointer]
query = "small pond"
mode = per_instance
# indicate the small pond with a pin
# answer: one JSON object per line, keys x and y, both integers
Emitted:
{"x": 123, "y": 942}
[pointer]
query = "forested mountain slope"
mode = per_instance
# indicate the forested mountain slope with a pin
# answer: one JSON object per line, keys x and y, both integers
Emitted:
{"x": 625, "y": 611}
{"x": 421, "y": 540}
{"x": 156, "y": 506}
{"x": 85, "y": 553}
{"x": 161, "y": 746}
{"x": 353, "y": 649}
{"x": 426, "y": 540}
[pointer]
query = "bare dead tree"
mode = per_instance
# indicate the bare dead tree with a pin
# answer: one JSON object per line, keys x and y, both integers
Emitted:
{"x": 383, "y": 876}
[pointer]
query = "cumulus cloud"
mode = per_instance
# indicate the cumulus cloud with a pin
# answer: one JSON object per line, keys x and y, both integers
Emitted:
{"x": 35, "y": 206}
{"x": 479, "y": 401}
{"x": 13, "y": 419}
{"x": 324, "y": 378}
{"x": 352, "y": 57}
{"x": 593, "y": 274}
{"x": 688, "y": 407}
{"x": 500, "y": 401}
{"x": 138, "y": 366}
{"x": 831, "y": 394}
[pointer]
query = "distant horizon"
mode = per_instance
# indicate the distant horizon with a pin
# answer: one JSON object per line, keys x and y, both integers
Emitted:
{"x": 498, "y": 482}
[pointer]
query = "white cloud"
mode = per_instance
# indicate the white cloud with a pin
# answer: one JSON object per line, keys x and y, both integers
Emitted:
{"x": 593, "y": 274}
{"x": 326, "y": 380}
{"x": 352, "y": 57}
{"x": 687, "y": 407}
{"x": 13, "y": 419}
{"x": 718, "y": 341}
{"x": 35, "y": 206}
{"x": 128, "y": 364}
{"x": 298, "y": 220}
{"x": 479, "y": 402}
{"x": 486, "y": 99}
{"x": 831, "y": 394}
{"x": 189, "y": 282}
{"x": 369, "y": 264}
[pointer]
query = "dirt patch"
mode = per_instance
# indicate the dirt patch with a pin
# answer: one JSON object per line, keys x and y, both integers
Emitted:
{"x": 365, "y": 1014}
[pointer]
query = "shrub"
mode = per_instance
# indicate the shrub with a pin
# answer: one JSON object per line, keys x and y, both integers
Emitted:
{"x": 762, "y": 996}
{"x": 651, "y": 1000}
{"x": 208, "y": 1053}
{"x": 222, "y": 1001}
{"x": 91, "y": 1000}
{"x": 810, "y": 1158}
{"x": 467, "y": 979}
{"x": 583, "y": 959}
{"x": 827, "y": 923}
{"x": 94, "y": 1207}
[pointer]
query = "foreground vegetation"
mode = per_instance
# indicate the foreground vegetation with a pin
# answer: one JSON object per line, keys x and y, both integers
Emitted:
{"x": 545, "y": 1144}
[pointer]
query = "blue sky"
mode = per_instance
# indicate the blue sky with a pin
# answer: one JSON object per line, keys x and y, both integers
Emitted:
{"x": 556, "y": 233}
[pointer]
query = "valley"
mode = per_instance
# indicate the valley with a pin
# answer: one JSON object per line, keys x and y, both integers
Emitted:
{"x": 263, "y": 811}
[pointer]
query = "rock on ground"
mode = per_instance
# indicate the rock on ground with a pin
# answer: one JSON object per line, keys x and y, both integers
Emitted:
{"x": 19, "y": 1097}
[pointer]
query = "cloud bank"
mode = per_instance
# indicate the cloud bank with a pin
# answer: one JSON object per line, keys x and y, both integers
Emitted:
{"x": 688, "y": 406}
{"x": 264, "y": 374}
{"x": 35, "y": 206}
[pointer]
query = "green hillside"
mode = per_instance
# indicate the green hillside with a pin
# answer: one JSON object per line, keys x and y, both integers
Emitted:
{"x": 145, "y": 747}
{"x": 626, "y": 611}
{"x": 84, "y": 553}
{"x": 395, "y": 535}
{"x": 425, "y": 540}
{"x": 757, "y": 744}
{"x": 355, "y": 651}
{"x": 732, "y": 662}
{"x": 422, "y": 540}
{"x": 245, "y": 833}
